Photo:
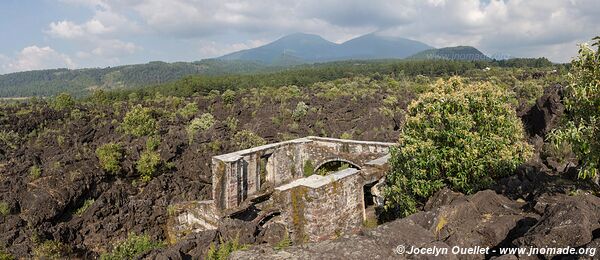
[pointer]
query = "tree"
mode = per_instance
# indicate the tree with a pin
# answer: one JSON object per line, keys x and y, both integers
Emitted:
{"x": 581, "y": 129}
{"x": 458, "y": 135}
{"x": 139, "y": 121}
{"x": 63, "y": 101}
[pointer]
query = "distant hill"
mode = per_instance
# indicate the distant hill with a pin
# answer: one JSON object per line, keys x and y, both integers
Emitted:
{"x": 81, "y": 81}
{"x": 451, "y": 53}
{"x": 309, "y": 48}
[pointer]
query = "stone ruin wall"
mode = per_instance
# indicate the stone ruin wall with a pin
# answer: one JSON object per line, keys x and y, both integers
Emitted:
{"x": 322, "y": 213}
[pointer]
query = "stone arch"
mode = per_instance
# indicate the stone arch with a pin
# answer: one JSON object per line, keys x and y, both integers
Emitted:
{"x": 336, "y": 159}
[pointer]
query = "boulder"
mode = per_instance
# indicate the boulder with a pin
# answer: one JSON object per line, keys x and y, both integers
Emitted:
{"x": 545, "y": 114}
{"x": 567, "y": 221}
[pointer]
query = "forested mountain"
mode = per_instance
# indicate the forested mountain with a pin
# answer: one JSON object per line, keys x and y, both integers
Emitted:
{"x": 309, "y": 48}
{"x": 80, "y": 82}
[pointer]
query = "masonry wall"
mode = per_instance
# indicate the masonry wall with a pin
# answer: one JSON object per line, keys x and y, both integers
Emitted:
{"x": 326, "y": 212}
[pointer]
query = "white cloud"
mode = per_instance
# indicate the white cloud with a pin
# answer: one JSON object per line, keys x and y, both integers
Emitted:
{"x": 212, "y": 28}
{"x": 35, "y": 58}
{"x": 111, "y": 48}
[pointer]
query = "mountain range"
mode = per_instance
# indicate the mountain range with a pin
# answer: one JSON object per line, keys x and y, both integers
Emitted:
{"x": 291, "y": 50}
{"x": 309, "y": 48}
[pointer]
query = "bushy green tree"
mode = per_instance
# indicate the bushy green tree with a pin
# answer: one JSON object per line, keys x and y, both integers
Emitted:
{"x": 582, "y": 101}
{"x": 148, "y": 164}
{"x": 110, "y": 156}
{"x": 189, "y": 110}
{"x": 63, "y": 101}
{"x": 200, "y": 124}
{"x": 458, "y": 135}
{"x": 139, "y": 121}
{"x": 300, "y": 111}
{"x": 228, "y": 96}
{"x": 247, "y": 139}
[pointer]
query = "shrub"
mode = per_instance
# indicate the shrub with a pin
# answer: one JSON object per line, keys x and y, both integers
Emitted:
{"x": 132, "y": 247}
{"x": 51, "y": 249}
{"x": 224, "y": 250}
{"x": 231, "y": 123}
{"x": 203, "y": 123}
{"x": 4, "y": 209}
{"x": 139, "y": 122}
{"x": 5, "y": 255}
{"x": 148, "y": 164}
{"x": 62, "y": 101}
{"x": 346, "y": 135}
{"x": 9, "y": 138}
{"x": 86, "y": 204}
{"x": 582, "y": 101}
{"x": 228, "y": 96}
{"x": 35, "y": 172}
{"x": 458, "y": 135}
{"x": 152, "y": 143}
{"x": 300, "y": 111}
{"x": 247, "y": 139}
{"x": 189, "y": 110}
{"x": 110, "y": 155}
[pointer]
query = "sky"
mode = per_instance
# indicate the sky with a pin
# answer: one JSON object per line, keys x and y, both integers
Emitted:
{"x": 42, "y": 34}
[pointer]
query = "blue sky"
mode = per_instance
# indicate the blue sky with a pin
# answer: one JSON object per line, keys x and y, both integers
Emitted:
{"x": 40, "y": 34}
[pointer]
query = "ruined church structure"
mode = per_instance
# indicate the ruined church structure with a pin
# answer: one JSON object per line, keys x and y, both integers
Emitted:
{"x": 318, "y": 188}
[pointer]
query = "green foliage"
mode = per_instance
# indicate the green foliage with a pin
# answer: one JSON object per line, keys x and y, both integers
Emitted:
{"x": 228, "y": 96}
{"x": 224, "y": 249}
{"x": 148, "y": 164}
{"x": 86, "y": 204}
{"x": 309, "y": 168}
{"x": 201, "y": 124}
{"x": 51, "y": 249}
{"x": 6, "y": 255}
{"x": 110, "y": 156}
{"x": 4, "y": 209}
{"x": 458, "y": 135}
{"x": 153, "y": 142}
{"x": 189, "y": 110}
{"x": 231, "y": 123}
{"x": 9, "y": 138}
{"x": 300, "y": 111}
{"x": 346, "y": 135}
{"x": 35, "y": 172}
{"x": 285, "y": 242}
{"x": 139, "y": 121}
{"x": 63, "y": 101}
{"x": 582, "y": 101}
{"x": 247, "y": 139}
{"x": 132, "y": 247}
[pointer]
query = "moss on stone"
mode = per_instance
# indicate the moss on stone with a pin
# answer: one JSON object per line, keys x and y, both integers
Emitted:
{"x": 298, "y": 221}
{"x": 309, "y": 168}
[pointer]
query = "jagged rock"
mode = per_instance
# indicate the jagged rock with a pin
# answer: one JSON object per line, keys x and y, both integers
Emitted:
{"x": 545, "y": 114}
{"x": 441, "y": 198}
{"x": 484, "y": 219}
{"x": 378, "y": 243}
{"x": 243, "y": 231}
{"x": 272, "y": 233}
{"x": 194, "y": 246}
{"x": 567, "y": 221}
